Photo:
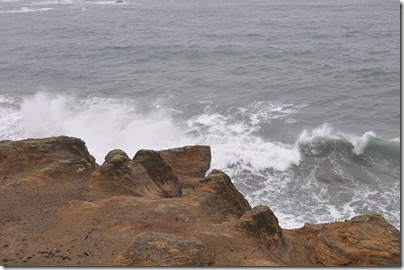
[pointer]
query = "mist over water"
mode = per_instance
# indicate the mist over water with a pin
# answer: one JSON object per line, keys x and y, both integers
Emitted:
{"x": 299, "y": 101}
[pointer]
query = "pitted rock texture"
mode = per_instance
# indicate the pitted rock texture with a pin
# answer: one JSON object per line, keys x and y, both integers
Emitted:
{"x": 367, "y": 240}
{"x": 156, "y": 249}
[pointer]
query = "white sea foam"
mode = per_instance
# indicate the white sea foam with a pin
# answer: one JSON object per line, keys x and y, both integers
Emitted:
{"x": 109, "y": 2}
{"x": 396, "y": 140}
{"x": 266, "y": 171}
{"x": 326, "y": 132}
{"x": 56, "y": 2}
{"x": 235, "y": 144}
{"x": 360, "y": 143}
{"x": 324, "y": 190}
{"x": 322, "y": 132}
{"x": 9, "y": 118}
{"x": 103, "y": 123}
{"x": 25, "y": 9}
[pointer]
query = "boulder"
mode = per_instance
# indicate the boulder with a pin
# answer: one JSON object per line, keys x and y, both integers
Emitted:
{"x": 217, "y": 192}
{"x": 119, "y": 175}
{"x": 116, "y": 164}
{"x": 159, "y": 172}
{"x": 163, "y": 249}
{"x": 49, "y": 156}
{"x": 263, "y": 224}
{"x": 190, "y": 163}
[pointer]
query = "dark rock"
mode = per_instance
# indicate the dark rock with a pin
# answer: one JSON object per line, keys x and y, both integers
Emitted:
{"x": 263, "y": 224}
{"x": 163, "y": 249}
{"x": 119, "y": 175}
{"x": 160, "y": 172}
{"x": 116, "y": 156}
{"x": 117, "y": 165}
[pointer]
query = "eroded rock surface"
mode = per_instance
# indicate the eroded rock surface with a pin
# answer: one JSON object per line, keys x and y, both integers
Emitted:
{"x": 263, "y": 224}
{"x": 59, "y": 208}
{"x": 119, "y": 175}
{"x": 49, "y": 157}
{"x": 190, "y": 163}
{"x": 156, "y": 249}
{"x": 367, "y": 240}
{"x": 218, "y": 192}
{"x": 160, "y": 172}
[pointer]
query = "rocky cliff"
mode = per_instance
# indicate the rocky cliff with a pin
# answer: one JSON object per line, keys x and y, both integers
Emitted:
{"x": 159, "y": 208}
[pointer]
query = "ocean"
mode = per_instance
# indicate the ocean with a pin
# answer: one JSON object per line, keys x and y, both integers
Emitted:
{"x": 299, "y": 100}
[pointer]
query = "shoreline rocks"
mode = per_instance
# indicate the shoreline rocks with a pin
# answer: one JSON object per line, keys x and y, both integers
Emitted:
{"x": 59, "y": 208}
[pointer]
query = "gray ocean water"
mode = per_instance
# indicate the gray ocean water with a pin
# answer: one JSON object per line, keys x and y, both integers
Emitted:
{"x": 299, "y": 100}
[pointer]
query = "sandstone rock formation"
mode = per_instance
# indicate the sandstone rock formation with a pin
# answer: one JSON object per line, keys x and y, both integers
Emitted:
{"x": 59, "y": 208}
{"x": 160, "y": 172}
{"x": 367, "y": 240}
{"x": 190, "y": 163}
{"x": 51, "y": 156}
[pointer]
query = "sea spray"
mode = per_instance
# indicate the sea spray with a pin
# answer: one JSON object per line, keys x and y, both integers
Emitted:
{"x": 10, "y": 117}
{"x": 325, "y": 175}
{"x": 103, "y": 123}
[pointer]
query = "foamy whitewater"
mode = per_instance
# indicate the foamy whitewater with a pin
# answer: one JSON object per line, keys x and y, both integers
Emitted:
{"x": 300, "y": 102}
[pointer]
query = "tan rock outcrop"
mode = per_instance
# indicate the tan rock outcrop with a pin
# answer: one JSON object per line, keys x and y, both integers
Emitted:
{"x": 160, "y": 172}
{"x": 119, "y": 175}
{"x": 58, "y": 208}
{"x": 367, "y": 240}
{"x": 218, "y": 192}
{"x": 190, "y": 163}
{"x": 263, "y": 224}
{"x": 49, "y": 156}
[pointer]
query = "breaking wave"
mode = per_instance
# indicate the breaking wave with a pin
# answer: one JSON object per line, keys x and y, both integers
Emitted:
{"x": 325, "y": 175}
{"x": 324, "y": 139}
{"x": 103, "y": 123}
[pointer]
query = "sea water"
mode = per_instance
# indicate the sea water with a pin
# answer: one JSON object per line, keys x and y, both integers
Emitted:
{"x": 299, "y": 100}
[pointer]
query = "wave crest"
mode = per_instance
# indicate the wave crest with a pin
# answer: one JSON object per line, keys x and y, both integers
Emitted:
{"x": 352, "y": 144}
